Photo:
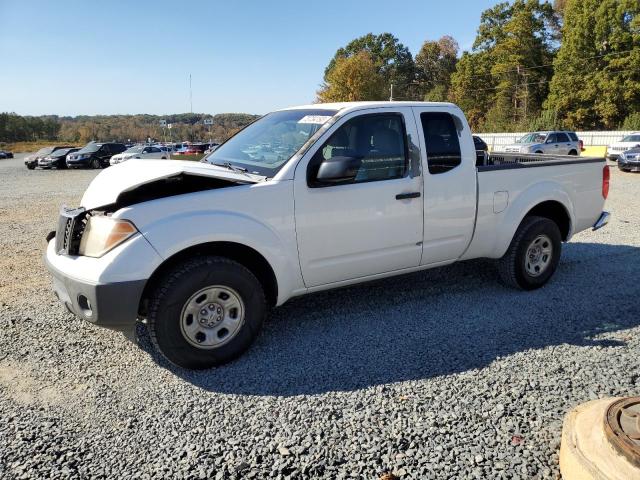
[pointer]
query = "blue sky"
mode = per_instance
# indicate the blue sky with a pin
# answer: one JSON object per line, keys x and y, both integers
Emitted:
{"x": 71, "y": 57}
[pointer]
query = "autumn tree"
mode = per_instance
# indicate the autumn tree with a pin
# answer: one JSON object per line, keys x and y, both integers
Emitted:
{"x": 353, "y": 78}
{"x": 434, "y": 64}
{"x": 596, "y": 82}
{"x": 392, "y": 60}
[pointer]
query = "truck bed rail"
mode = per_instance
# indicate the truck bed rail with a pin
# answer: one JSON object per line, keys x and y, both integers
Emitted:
{"x": 504, "y": 161}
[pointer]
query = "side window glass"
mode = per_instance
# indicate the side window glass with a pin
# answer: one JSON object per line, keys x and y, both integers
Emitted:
{"x": 375, "y": 145}
{"x": 442, "y": 143}
{"x": 562, "y": 137}
{"x": 552, "y": 138}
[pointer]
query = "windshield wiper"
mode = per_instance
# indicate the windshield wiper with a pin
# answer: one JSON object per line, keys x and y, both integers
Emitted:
{"x": 231, "y": 166}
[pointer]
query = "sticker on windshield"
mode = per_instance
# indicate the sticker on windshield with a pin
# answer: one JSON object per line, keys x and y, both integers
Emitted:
{"x": 316, "y": 119}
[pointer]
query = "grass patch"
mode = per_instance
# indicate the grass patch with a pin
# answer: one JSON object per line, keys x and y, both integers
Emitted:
{"x": 22, "y": 147}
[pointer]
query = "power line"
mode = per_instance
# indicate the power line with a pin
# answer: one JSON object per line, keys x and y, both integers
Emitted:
{"x": 548, "y": 81}
{"x": 544, "y": 65}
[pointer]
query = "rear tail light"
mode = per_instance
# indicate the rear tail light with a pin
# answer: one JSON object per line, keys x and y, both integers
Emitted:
{"x": 606, "y": 175}
{"x": 581, "y": 145}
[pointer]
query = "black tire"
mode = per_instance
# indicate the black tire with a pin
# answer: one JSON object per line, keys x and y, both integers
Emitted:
{"x": 31, "y": 167}
{"x": 573, "y": 152}
{"x": 539, "y": 152}
{"x": 178, "y": 286}
{"x": 511, "y": 266}
{"x": 95, "y": 164}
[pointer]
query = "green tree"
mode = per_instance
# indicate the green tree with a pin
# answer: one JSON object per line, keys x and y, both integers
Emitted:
{"x": 596, "y": 82}
{"x": 504, "y": 80}
{"x": 351, "y": 79}
{"x": 393, "y": 61}
{"x": 434, "y": 64}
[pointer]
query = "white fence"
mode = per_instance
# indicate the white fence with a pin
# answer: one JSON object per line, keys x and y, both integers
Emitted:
{"x": 589, "y": 138}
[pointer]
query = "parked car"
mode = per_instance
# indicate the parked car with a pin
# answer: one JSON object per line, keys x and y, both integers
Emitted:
{"x": 550, "y": 143}
{"x": 629, "y": 161}
{"x": 57, "y": 159}
{"x": 140, "y": 151}
{"x": 192, "y": 149}
{"x": 202, "y": 251}
{"x": 630, "y": 141}
{"x": 5, "y": 154}
{"x": 482, "y": 150}
{"x": 31, "y": 161}
{"x": 211, "y": 148}
{"x": 94, "y": 155}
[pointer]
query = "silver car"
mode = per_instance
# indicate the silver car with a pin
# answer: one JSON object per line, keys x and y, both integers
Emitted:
{"x": 550, "y": 143}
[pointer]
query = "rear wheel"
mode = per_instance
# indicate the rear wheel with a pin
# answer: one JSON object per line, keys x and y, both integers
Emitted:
{"x": 206, "y": 312}
{"x": 533, "y": 255}
{"x": 573, "y": 152}
{"x": 538, "y": 151}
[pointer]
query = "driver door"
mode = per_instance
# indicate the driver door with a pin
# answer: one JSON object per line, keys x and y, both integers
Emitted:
{"x": 368, "y": 224}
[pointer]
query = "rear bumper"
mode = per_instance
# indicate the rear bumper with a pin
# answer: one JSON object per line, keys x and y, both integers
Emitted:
{"x": 602, "y": 220}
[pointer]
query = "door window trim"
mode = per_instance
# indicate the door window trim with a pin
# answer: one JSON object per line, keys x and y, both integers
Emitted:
{"x": 405, "y": 139}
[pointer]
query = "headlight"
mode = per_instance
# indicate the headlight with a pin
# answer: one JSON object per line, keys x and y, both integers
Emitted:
{"x": 102, "y": 234}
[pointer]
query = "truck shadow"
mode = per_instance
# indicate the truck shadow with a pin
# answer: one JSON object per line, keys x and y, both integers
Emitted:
{"x": 428, "y": 324}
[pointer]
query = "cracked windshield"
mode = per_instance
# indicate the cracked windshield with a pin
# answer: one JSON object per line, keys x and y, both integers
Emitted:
{"x": 265, "y": 145}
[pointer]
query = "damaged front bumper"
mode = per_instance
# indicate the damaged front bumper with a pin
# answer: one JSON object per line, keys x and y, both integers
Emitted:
{"x": 105, "y": 291}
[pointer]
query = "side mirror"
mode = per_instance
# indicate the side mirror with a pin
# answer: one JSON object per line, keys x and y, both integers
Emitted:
{"x": 339, "y": 169}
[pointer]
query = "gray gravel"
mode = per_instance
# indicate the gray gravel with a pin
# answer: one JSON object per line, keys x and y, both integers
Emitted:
{"x": 441, "y": 374}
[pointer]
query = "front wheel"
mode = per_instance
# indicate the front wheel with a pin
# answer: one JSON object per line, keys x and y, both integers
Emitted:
{"x": 533, "y": 255}
{"x": 205, "y": 312}
{"x": 95, "y": 163}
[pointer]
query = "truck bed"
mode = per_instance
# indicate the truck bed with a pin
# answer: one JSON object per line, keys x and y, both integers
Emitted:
{"x": 511, "y": 184}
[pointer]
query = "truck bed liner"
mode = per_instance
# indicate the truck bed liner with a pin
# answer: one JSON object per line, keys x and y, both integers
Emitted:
{"x": 505, "y": 161}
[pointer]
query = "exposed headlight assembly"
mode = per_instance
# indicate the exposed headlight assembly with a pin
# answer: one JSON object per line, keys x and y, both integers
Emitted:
{"x": 102, "y": 234}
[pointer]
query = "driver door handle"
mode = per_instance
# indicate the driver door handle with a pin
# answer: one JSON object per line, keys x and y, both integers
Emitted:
{"x": 404, "y": 196}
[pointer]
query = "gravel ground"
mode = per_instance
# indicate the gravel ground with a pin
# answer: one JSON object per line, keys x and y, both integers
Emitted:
{"x": 440, "y": 374}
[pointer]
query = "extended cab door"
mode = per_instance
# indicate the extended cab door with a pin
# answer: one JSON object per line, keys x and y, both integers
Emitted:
{"x": 371, "y": 222}
{"x": 449, "y": 182}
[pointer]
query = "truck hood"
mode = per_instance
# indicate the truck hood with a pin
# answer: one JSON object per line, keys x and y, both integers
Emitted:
{"x": 110, "y": 185}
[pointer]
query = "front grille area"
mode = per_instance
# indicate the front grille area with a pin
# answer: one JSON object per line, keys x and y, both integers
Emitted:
{"x": 71, "y": 225}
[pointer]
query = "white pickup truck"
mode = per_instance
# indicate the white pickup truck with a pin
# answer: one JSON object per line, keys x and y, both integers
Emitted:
{"x": 306, "y": 199}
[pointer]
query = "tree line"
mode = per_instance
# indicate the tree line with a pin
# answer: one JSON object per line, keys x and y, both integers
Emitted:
{"x": 533, "y": 65}
{"x": 123, "y": 128}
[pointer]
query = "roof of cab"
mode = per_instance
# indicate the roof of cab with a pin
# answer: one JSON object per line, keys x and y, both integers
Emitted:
{"x": 343, "y": 106}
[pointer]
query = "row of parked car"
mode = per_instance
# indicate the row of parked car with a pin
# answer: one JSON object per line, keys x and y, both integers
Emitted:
{"x": 626, "y": 152}
{"x": 101, "y": 155}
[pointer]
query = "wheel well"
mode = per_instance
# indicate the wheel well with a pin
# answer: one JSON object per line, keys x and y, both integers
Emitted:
{"x": 242, "y": 254}
{"x": 553, "y": 211}
{"x": 573, "y": 152}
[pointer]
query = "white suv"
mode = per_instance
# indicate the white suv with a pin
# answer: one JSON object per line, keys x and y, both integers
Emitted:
{"x": 627, "y": 143}
{"x": 140, "y": 151}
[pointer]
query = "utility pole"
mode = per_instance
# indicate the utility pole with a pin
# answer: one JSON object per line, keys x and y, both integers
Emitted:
{"x": 526, "y": 95}
{"x": 190, "y": 109}
{"x": 391, "y": 96}
{"x": 515, "y": 98}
